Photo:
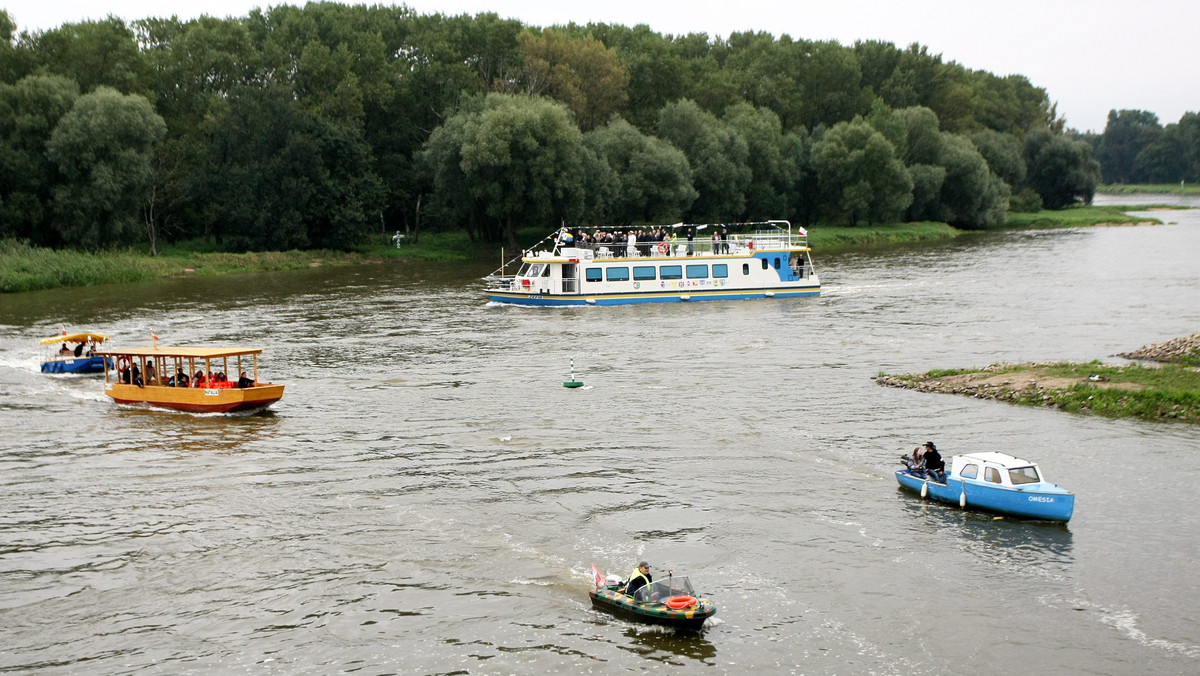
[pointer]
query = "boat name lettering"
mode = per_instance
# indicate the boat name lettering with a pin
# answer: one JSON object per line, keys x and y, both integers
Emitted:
{"x": 212, "y": 393}
{"x": 1040, "y": 498}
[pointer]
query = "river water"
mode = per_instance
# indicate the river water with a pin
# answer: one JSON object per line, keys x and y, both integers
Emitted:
{"x": 427, "y": 498}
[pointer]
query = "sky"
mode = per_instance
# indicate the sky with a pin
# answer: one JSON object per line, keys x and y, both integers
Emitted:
{"x": 1091, "y": 56}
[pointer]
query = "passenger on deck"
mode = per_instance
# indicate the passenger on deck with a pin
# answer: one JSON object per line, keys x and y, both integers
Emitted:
{"x": 935, "y": 467}
{"x": 244, "y": 381}
{"x": 151, "y": 374}
{"x": 639, "y": 578}
{"x": 65, "y": 351}
{"x": 691, "y": 235}
{"x": 198, "y": 379}
{"x": 916, "y": 461}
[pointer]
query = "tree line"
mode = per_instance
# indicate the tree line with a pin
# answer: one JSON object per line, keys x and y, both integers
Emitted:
{"x": 1135, "y": 148}
{"x": 319, "y": 126}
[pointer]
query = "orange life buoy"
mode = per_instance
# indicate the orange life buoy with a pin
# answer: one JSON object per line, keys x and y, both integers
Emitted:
{"x": 663, "y": 247}
{"x": 525, "y": 283}
{"x": 680, "y": 602}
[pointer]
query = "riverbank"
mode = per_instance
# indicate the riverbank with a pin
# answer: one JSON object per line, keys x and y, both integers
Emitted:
{"x": 1169, "y": 391}
{"x": 26, "y": 268}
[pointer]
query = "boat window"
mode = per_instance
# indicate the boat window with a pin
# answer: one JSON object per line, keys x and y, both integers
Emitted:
{"x": 720, "y": 270}
{"x": 1023, "y": 475}
{"x": 546, "y": 272}
{"x": 663, "y": 589}
{"x": 593, "y": 274}
{"x": 970, "y": 472}
{"x": 620, "y": 274}
{"x": 643, "y": 272}
{"x": 697, "y": 271}
{"x": 776, "y": 263}
{"x": 671, "y": 272}
{"x": 745, "y": 268}
{"x": 765, "y": 264}
{"x": 535, "y": 270}
{"x": 991, "y": 474}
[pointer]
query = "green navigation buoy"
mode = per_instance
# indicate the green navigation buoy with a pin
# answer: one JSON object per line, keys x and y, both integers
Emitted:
{"x": 572, "y": 382}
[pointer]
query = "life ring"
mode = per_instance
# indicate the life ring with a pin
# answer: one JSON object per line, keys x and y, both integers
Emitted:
{"x": 123, "y": 364}
{"x": 680, "y": 602}
{"x": 663, "y": 248}
{"x": 525, "y": 283}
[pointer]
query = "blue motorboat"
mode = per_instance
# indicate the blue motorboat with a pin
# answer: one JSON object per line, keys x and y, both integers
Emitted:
{"x": 994, "y": 482}
{"x": 76, "y": 354}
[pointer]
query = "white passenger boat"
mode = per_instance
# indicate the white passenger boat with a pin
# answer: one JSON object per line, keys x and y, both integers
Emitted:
{"x": 658, "y": 264}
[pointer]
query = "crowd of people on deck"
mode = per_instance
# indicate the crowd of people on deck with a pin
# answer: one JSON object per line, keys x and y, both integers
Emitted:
{"x": 132, "y": 375}
{"x": 660, "y": 241}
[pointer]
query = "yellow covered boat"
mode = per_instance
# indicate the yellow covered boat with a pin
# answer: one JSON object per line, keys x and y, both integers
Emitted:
{"x": 202, "y": 379}
{"x": 77, "y": 354}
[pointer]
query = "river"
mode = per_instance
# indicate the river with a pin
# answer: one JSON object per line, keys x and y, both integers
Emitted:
{"x": 427, "y": 498}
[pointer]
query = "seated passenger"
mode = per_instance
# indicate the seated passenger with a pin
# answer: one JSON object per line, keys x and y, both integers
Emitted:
{"x": 934, "y": 465}
{"x": 244, "y": 381}
{"x": 78, "y": 351}
{"x": 198, "y": 379}
{"x": 65, "y": 351}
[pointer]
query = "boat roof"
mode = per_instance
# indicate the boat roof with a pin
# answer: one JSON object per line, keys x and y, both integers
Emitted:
{"x": 76, "y": 338}
{"x": 998, "y": 458}
{"x": 182, "y": 351}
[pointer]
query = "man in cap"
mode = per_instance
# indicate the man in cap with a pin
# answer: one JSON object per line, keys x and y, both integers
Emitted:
{"x": 639, "y": 578}
{"x": 934, "y": 465}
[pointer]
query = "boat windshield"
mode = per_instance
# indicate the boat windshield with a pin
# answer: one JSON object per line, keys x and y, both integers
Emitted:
{"x": 1023, "y": 475}
{"x": 661, "y": 590}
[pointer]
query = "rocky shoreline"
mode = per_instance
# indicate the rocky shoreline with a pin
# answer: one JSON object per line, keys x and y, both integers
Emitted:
{"x": 1184, "y": 350}
{"x": 1141, "y": 391}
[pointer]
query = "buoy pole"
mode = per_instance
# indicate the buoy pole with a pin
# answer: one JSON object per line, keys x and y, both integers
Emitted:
{"x": 572, "y": 382}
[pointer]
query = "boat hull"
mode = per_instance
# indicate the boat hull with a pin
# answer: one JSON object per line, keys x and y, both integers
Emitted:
{"x": 1046, "y": 502}
{"x": 622, "y": 605}
{"x": 197, "y": 400}
{"x": 680, "y": 296}
{"x": 75, "y": 365}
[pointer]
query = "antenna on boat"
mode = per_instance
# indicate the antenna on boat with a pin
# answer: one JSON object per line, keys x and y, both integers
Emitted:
{"x": 572, "y": 382}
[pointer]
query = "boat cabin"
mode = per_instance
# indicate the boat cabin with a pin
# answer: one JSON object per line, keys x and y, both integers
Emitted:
{"x": 995, "y": 468}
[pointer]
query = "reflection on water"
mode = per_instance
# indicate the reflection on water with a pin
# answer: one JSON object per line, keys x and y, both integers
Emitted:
{"x": 428, "y": 498}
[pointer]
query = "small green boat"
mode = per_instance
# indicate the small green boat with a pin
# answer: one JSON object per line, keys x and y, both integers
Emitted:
{"x": 671, "y": 603}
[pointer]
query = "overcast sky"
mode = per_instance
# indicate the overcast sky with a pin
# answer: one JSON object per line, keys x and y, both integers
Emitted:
{"x": 1091, "y": 56}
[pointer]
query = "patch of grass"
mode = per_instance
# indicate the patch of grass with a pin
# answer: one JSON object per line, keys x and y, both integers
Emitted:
{"x": 1166, "y": 392}
{"x": 824, "y": 239}
{"x": 1078, "y": 216}
{"x": 1152, "y": 188}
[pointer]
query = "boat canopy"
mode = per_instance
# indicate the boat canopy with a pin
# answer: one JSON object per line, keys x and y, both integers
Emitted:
{"x": 185, "y": 352}
{"x": 76, "y": 338}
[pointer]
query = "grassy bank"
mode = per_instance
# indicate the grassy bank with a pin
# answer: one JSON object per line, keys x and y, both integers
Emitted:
{"x": 1166, "y": 392}
{"x": 1152, "y": 188}
{"x": 1081, "y": 216}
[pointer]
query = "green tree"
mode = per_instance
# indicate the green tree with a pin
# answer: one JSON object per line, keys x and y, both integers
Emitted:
{"x": 861, "y": 180}
{"x": 1174, "y": 155}
{"x": 653, "y": 178}
{"x": 1062, "y": 171}
{"x": 1127, "y": 133}
{"x": 505, "y": 161}
{"x": 103, "y": 149}
{"x": 580, "y": 72}
{"x": 93, "y": 53}
{"x": 718, "y": 157}
{"x": 280, "y": 177}
{"x": 1003, "y": 155}
{"x": 773, "y": 158}
{"x": 29, "y": 112}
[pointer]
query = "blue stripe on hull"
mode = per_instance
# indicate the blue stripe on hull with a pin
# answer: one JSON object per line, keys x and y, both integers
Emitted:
{"x": 1028, "y": 504}
{"x": 80, "y": 365}
{"x": 627, "y": 299}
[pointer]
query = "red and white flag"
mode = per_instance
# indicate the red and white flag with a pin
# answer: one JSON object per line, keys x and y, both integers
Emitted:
{"x": 801, "y": 231}
{"x": 64, "y": 333}
{"x": 599, "y": 577}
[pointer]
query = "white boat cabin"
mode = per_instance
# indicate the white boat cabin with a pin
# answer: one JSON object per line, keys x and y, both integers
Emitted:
{"x": 1001, "y": 469}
